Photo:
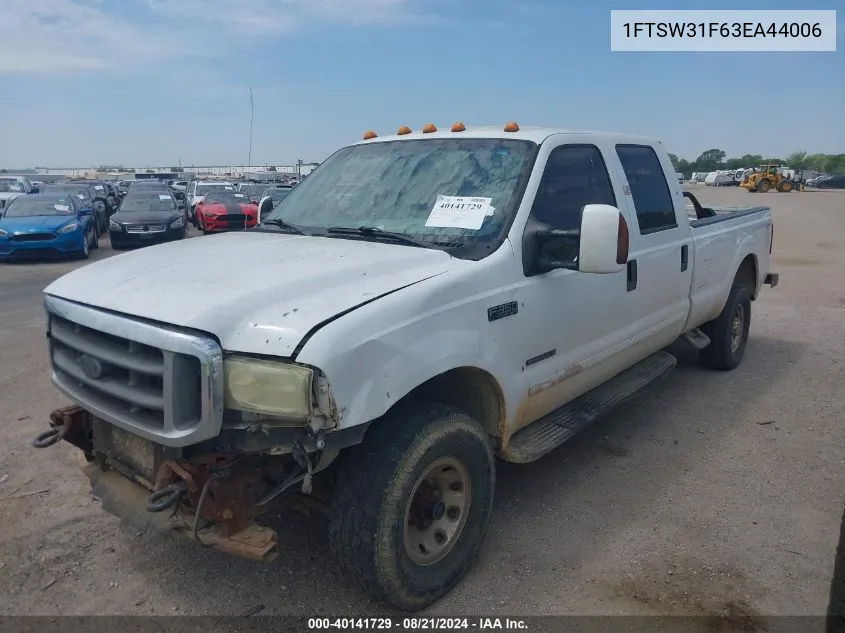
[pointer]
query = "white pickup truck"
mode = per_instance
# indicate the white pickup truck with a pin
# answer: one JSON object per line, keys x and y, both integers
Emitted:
{"x": 421, "y": 304}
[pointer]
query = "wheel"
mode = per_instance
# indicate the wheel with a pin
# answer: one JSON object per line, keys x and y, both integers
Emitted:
{"x": 764, "y": 185}
{"x": 86, "y": 245}
{"x": 785, "y": 186}
{"x": 836, "y": 605}
{"x": 728, "y": 332}
{"x": 413, "y": 503}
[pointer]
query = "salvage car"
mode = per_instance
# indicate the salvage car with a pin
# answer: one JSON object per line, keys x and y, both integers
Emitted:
{"x": 198, "y": 189}
{"x": 469, "y": 294}
{"x": 11, "y": 187}
{"x": 47, "y": 225}
{"x": 147, "y": 218}
{"x": 226, "y": 211}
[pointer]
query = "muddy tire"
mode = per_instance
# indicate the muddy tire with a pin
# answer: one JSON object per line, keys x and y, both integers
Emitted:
{"x": 412, "y": 504}
{"x": 728, "y": 332}
{"x": 836, "y": 605}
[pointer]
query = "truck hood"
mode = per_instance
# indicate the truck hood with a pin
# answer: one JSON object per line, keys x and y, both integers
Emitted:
{"x": 256, "y": 292}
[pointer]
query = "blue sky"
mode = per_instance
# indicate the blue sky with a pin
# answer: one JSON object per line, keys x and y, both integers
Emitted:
{"x": 139, "y": 82}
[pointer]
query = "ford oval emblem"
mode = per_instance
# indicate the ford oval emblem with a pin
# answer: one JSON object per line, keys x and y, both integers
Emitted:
{"x": 91, "y": 367}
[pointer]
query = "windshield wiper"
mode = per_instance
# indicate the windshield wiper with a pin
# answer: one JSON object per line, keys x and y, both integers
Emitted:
{"x": 284, "y": 225}
{"x": 373, "y": 231}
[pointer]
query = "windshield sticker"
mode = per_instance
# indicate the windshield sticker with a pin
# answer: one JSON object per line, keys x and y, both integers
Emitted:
{"x": 61, "y": 207}
{"x": 459, "y": 212}
{"x": 98, "y": 187}
{"x": 163, "y": 197}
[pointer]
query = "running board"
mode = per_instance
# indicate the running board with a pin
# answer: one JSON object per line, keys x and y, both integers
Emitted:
{"x": 546, "y": 434}
{"x": 698, "y": 339}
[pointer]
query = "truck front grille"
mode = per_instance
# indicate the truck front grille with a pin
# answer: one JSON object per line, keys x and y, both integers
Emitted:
{"x": 157, "y": 381}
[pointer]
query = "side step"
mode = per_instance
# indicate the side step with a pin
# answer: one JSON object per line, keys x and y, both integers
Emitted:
{"x": 698, "y": 339}
{"x": 549, "y": 432}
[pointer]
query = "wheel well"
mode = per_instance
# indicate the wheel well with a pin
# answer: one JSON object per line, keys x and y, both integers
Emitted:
{"x": 470, "y": 389}
{"x": 746, "y": 275}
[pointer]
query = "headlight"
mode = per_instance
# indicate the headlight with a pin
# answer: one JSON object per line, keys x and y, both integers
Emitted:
{"x": 115, "y": 226}
{"x": 68, "y": 228}
{"x": 178, "y": 222}
{"x": 268, "y": 388}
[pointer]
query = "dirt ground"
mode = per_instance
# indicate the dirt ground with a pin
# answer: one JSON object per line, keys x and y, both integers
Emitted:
{"x": 717, "y": 493}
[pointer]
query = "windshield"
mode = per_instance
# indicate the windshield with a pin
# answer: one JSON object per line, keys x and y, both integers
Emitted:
{"x": 159, "y": 202}
{"x": 83, "y": 193}
{"x": 226, "y": 197}
{"x": 8, "y": 185}
{"x": 445, "y": 192}
{"x": 36, "y": 205}
{"x": 208, "y": 188}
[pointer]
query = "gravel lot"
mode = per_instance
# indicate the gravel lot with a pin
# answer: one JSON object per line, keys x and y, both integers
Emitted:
{"x": 717, "y": 493}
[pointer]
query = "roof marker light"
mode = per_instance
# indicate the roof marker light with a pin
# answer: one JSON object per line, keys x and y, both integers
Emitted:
{"x": 429, "y": 128}
{"x": 369, "y": 134}
{"x": 459, "y": 127}
{"x": 404, "y": 130}
{"x": 512, "y": 127}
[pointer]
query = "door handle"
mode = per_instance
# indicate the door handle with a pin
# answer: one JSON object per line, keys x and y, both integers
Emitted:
{"x": 632, "y": 275}
{"x": 684, "y": 257}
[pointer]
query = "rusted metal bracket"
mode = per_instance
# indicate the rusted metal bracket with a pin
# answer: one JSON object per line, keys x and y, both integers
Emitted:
{"x": 71, "y": 423}
{"x": 228, "y": 502}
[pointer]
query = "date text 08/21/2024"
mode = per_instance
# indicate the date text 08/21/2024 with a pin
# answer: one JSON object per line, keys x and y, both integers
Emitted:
{"x": 415, "y": 624}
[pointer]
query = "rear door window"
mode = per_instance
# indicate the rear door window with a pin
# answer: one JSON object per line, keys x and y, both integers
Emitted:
{"x": 649, "y": 189}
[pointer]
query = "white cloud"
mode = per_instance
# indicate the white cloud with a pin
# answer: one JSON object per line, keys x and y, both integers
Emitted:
{"x": 62, "y": 36}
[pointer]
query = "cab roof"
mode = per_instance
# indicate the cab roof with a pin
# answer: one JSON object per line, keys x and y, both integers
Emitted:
{"x": 535, "y": 134}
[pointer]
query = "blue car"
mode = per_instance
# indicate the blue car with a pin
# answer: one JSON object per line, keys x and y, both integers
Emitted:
{"x": 47, "y": 225}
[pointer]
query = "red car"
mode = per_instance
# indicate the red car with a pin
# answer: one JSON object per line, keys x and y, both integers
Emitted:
{"x": 226, "y": 211}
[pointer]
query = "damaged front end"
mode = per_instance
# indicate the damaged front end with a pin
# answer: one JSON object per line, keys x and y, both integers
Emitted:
{"x": 214, "y": 492}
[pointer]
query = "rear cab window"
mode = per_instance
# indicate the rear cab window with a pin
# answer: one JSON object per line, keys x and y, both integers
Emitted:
{"x": 650, "y": 193}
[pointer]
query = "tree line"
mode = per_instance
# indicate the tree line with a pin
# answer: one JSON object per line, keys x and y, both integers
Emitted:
{"x": 716, "y": 159}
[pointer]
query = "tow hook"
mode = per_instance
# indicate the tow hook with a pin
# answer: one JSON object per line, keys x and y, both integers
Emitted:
{"x": 51, "y": 436}
{"x": 167, "y": 497}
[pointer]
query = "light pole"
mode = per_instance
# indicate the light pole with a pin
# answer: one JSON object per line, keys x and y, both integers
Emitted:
{"x": 251, "y": 119}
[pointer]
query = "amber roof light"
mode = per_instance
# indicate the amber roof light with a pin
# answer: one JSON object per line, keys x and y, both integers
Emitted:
{"x": 512, "y": 127}
{"x": 429, "y": 128}
{"x": 459, "y": 127}
{"x": 404, "y": 130}
{"x": 369, "y": 134}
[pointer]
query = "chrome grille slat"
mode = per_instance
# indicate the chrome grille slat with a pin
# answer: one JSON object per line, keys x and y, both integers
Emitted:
{"x": 138, "y": 395}
{"x": 156, "y": 381}
{"x": 86, "y": 343}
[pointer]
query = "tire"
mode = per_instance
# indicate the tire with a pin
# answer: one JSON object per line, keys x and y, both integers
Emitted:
{"x": 728, "y": 332}
{"x": 369, "y": 532}
{"x": 836, "y": 605}
{"x": 86, "y": 245}
{"x": 764, "y": 185}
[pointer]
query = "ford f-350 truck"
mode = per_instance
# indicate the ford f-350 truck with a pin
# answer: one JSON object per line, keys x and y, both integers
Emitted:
{"x": 421, "y": 305}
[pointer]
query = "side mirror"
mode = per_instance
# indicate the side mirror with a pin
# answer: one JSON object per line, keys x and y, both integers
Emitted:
{"x": 264, "y": 207}
{"x": 605, "y": 240}
{"x": 599, "y": 246}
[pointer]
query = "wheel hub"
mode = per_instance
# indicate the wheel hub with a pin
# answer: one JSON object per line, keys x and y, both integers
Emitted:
{"x": 436, "y": 512}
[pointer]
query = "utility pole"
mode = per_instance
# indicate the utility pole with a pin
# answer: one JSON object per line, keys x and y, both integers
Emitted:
{"x": 251, "y": 119}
